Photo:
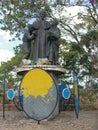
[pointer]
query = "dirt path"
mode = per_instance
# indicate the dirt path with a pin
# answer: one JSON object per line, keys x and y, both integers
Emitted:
{"x": 15, "y": 120}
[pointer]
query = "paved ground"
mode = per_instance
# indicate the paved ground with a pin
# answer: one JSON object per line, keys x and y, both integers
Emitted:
{"x": 15, "y": 120}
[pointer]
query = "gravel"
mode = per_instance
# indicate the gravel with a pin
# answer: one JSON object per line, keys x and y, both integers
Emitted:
{"x": 16, "y": 120}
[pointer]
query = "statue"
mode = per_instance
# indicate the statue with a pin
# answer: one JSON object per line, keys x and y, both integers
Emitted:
{"x": 27, "y": 39}
{"x": 41, "y": 26}
{"x": 46, "y": 40}
{"x": 53, "y": 43}
{"x": 45, "y": 37}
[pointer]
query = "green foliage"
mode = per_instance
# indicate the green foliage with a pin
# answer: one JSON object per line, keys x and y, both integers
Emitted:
{"x": 87, "y": 99}
{"x": 15, "y": 14}
{"x": 69, "y": 53}
{"x": 10, "y": 65}
{"x": 90, "y": 38}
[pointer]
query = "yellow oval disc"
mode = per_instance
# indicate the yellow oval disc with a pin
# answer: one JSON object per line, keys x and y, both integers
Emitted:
{"x": 36, "y": 82}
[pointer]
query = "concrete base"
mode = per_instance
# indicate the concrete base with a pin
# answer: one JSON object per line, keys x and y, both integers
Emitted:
{"x": 53, "y": 70}
{"x": 56, "y": 69}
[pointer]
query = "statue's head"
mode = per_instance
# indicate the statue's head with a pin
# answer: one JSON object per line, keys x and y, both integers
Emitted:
{"x": 30, "y": 28}
{"x": 42, "y": 13}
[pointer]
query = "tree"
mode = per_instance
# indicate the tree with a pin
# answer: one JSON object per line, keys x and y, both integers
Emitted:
{"x": 11, "y": 65}
{"x": 16, "y": 14}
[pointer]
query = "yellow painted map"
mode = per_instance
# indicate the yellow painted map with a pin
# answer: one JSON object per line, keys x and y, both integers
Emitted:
{"x": 36, "y": 82}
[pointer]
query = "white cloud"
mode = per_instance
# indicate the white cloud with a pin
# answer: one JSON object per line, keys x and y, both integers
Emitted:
{"x": 5, "y": 34}
{"x": 75, "y": 9}
{"x": 5, "y": 55}
{"x": 6, "y": 47}
{"x": 1, "y": 43}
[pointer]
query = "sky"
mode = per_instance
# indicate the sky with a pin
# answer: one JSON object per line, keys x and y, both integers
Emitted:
{"x": 6, "y": 46}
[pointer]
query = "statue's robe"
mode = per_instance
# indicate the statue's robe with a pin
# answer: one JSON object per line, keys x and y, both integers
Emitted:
{"x": 53, "y": 45}
{"x": 40, "y": 43}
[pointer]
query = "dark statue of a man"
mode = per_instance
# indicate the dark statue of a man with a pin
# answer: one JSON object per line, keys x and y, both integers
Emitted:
{"x": 40, "y": 43}
{"x": 46, "y": 39}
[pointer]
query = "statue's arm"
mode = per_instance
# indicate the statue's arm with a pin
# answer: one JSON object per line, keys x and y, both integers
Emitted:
{"x": 57, "y": 34}
{"x": 54, "y": 34}
{"x": 29, "y": 37}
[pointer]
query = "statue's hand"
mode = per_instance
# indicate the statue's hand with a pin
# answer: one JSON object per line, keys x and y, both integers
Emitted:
{"x": 34, "y": 33}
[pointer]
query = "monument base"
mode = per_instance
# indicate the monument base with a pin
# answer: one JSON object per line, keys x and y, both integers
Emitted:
{"x": 54, "y": 70}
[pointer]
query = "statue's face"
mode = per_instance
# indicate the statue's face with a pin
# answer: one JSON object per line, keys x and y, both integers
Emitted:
{"x": 42, "y": 14}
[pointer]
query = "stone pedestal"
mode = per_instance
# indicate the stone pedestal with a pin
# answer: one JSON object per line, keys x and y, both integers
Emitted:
{"x": 54, "y": 70}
